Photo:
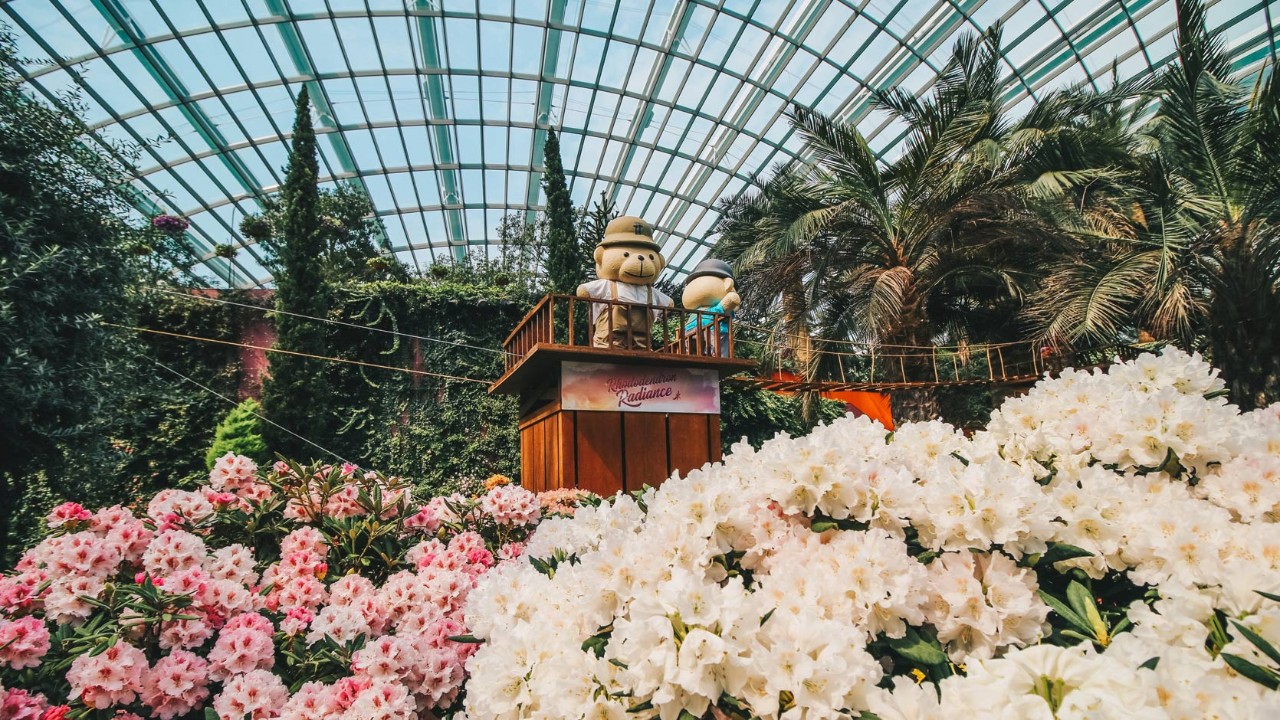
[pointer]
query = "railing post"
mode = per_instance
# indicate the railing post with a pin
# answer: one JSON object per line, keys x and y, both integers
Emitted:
{"x": 573, "y": 339}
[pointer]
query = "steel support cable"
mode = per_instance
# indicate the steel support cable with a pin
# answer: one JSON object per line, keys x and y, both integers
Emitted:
{"x": 334, "y": 322}
{"x": 259, "y": 416}
{"x": 346, "y": 361}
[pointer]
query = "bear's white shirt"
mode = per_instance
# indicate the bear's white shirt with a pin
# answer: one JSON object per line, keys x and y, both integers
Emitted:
{"x": 626, "y": 293}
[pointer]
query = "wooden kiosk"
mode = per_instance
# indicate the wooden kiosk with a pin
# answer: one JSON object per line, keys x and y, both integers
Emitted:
{"x": 608, "y": 419}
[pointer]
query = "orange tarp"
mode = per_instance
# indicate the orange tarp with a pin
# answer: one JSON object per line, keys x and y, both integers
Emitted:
{"x": 872, "y": 404}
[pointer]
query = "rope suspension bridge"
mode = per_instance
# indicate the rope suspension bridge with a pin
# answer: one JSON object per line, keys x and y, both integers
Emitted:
{"x": 563, "y": 322}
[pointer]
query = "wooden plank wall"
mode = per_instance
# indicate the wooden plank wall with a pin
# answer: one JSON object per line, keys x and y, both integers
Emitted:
{"x": 606, "y": 452}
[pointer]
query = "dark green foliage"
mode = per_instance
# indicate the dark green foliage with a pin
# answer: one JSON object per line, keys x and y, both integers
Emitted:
{"x": 63, "y": 271}
{"x": 239, "y": 433}
{"x": 164, "y": 426}
{"x": 758, "y": 415}
{"x": 298, "y": 393}
{"x": 349, "y": 231}
{"x": 592, "y": 224}
{"x": 967, "y": 407}
{"x": 567, "y": 259}
{"x": 429, "y": 429}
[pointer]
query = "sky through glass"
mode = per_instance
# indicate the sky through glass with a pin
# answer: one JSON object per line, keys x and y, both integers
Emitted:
{"x": 438, "y": 108}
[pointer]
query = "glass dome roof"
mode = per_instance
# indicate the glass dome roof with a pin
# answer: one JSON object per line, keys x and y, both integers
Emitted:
{"x": 438, "y": 108}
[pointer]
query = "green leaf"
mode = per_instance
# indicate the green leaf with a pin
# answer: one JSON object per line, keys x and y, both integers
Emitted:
{"x": 1058, "y": 552}
{"x": 1151, "y": 663}
{"x": 1268, "y": 595}
{"x": 596, "y": 644}
{"x": 1066, "y": 613}
{"x": 469, "y": 639}
{"x": 820, "y": 526}
{"x": 210, "y": 714}
{"x": 1259, "y": 642}
{"x": 1082, "y": 602}
{"x": 646, "y": 705}
{"x": 917, "y": 648}
{"x": 1260, "y": 675}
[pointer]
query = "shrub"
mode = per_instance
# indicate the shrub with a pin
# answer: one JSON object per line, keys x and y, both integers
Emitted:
{"x": 1108, "y": 548}
{"x": 239, "y": 433}
{"x": 305, "y": 591}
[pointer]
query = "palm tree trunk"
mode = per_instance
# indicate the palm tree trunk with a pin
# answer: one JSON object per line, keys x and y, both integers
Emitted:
{"x": 795, "y": 320}
{"x": 914, "y": 405}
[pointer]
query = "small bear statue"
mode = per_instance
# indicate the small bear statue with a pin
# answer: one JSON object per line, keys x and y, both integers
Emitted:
{"x": 710, "y": 289}
{"x": 627, "y": 264}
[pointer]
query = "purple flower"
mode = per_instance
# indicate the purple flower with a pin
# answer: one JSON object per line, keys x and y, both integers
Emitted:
{"x": 169, "y": 223}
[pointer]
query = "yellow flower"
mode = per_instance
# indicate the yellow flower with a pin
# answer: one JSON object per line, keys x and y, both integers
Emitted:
{"x": 496, "y": 481}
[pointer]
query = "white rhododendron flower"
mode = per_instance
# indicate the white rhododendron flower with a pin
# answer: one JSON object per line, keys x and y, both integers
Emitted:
{"x": 918, "y": 574}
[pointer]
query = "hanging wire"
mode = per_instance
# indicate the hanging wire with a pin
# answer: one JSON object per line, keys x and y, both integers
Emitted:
{"x": 396, "y": 333}
{"x": 361, "y": 363}
{"x": 260, "y": 417}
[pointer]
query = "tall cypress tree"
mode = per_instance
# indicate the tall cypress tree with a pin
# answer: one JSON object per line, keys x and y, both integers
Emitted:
{"x": 297, "y": 394}
{"x": 566, "y": 259}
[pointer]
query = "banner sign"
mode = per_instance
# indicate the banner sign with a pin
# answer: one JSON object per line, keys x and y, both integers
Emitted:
{"x": 639, "y": 388}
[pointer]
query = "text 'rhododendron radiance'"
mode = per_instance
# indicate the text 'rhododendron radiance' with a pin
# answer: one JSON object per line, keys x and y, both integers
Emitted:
{"x": 1106, "y": 549}
{"x": 301, "y": 593}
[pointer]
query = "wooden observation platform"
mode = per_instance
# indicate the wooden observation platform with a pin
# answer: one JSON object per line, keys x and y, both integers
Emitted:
{"x": 609, "y": 419}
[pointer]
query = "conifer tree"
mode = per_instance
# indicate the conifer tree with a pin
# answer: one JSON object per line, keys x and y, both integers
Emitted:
{"x": 297, "y": 393}
{"x": 240, "y": 432}
{"x": 567, "y": 260}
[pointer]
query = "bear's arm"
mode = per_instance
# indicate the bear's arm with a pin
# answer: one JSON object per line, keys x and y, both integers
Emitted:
{"x": 583, "y": 291}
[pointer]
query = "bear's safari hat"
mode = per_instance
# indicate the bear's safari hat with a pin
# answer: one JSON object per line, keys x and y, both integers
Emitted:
{"x": 629, "y": 230}
{"x": 712, "y": 267}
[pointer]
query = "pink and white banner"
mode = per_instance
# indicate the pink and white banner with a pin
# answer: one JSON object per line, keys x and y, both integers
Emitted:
{"x": 639, "y": 388}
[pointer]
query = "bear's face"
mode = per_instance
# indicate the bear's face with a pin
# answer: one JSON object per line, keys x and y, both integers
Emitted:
{"x": 633, "y": 264}
{"x": 705, "y": 291}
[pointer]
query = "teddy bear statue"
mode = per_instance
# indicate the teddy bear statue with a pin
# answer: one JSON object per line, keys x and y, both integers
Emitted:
{"x": 710, "y": 291}
{"x": 627, "y": 264}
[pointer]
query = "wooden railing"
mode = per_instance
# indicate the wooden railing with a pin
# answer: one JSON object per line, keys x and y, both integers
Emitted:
{"x": 569, "y": 321}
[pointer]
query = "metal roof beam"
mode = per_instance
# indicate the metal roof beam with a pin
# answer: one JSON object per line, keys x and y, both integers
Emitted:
{"x": 542, "y": 109}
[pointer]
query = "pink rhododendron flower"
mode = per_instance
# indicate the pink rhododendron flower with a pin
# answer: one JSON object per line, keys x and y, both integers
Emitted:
{"x": 424, "y": 520}
{"x": 511, "y": 505}
{"x": 185, "y": 633}
{"x": 258, "y": 695}
{"x": 18, "y": 704}
{"x": 17, "y": 592}
{"x": 304, "y": 539}
{"x": 233, "y": 562}
{"x": 171, "y": 551}
{"x": 382, "y": 701}
{"x": 189, "y": 505}
{"x": 244, "y": 644}
{"x": 65, "y": 601}
{"x": 313, "y": 701}
{"x": 296, "y": 621}
{"x": 23, "y": 642}
{"x": 68, "y": 512}
{"x": 113, "y": 677}
{"x": 345, "y": 503}
{"x": 342, "y": 623}
{"x": 130, "y": 537}
{"x": 176, "y": 685}
{"x": 232, "y": 473}
{"x": 511, "y": 551}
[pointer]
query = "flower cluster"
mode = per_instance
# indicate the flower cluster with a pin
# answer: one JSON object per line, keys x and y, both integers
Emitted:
{"x": 324, "y": 579}
{"x": 1107, "y": 548}
{"x": 170, "y": 224}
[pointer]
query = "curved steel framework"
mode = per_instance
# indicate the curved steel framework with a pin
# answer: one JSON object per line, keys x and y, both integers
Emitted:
{"x": 439, "y": 108}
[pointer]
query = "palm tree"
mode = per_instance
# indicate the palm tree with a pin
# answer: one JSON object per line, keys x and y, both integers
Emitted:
{"x": 932, "y": 246}
{"x": 1179, "y": 242}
